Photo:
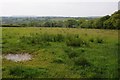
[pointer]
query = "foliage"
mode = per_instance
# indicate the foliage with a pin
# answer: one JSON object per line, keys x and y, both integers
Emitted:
{"x": 105, "y": 22}
{"x": 71, "y": 23}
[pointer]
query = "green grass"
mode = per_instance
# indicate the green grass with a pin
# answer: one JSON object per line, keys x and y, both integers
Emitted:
{"x": 25, "y": 72}
{"x": 61, "y": 52}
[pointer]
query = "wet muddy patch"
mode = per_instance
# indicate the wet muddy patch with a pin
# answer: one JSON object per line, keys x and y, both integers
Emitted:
{"x": 18, "y": 57}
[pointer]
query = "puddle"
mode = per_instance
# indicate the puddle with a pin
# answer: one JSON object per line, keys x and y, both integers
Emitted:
{"x": 18, "y": 57}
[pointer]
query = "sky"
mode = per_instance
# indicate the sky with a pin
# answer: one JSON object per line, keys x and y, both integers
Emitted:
{"x": 74, "y": 8}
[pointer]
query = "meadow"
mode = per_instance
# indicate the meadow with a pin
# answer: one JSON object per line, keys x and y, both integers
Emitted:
{"x": 61, "y": 52}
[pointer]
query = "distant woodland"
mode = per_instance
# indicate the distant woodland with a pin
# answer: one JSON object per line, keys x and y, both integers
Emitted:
{"x": 105, "y": 22}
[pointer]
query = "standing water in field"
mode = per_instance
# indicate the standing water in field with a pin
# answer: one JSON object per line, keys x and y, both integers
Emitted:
{"x": 18, "y": 57}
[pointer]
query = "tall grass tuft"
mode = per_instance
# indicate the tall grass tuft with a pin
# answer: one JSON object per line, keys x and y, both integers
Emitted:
{"x": 81, "y": 61}
{"x": 38, "y": 38}
{"x": 77, "y": 42}
{"x": 99, "y": 40}
{"x": 58, "y": 60}
{"x": 25, "y": 72}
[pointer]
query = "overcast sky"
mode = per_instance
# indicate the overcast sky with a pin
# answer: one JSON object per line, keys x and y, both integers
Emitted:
{"x": 57, "y": 7}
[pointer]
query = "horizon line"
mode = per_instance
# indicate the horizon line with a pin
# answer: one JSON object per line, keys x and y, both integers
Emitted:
{"x": 44, "y": 16}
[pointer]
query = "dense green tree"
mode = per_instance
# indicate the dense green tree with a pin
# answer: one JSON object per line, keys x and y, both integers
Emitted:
{"x": 48, "y": 24}
{"x": 99, "y": 23}
{"x": 113, "y": 22}
{"x": 81, "y": 22}
{"x": 71, "y": 23}
{"x": 87, "y": 24}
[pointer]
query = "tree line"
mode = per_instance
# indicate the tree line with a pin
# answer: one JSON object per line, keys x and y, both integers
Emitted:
{"x": 105, "y": 22}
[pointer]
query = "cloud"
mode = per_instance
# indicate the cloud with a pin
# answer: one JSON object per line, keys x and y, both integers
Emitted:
{"x": 45, "y": 8}
{"x": 59, "y": 1}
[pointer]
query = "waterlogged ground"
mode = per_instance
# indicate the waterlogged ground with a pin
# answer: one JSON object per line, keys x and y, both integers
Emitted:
{"x": 18, "y": 57}
{"x": 59, "y": 53}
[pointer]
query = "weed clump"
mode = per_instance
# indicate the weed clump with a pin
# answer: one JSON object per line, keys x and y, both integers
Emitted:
{"x": 99, "y": 40}
{"x": 81, "y": 61}
{"x": 71, "y": 53}
{"x": 58, "y": 60}
{"x": 91, "y": 40}
{"x": 59, "y": 38}
{"x": 39, "y": 38}
{"x": 78, "y": 42}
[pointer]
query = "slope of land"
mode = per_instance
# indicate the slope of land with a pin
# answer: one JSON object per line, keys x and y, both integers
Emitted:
{"x": 61, "y": 53}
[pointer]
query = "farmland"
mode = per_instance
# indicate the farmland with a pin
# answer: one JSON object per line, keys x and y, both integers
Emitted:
{"x": 61, "y": 52}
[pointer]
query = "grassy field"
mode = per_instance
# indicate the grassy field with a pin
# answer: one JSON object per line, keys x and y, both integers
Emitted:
{"x": 61, "y": 53}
